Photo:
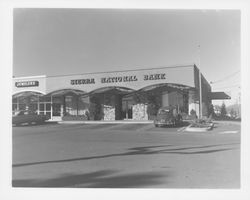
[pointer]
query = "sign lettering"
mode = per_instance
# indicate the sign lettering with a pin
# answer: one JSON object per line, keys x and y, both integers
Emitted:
{"x": 119, "y": 79}
{"x": 154, "y": 77}
{"x": 82, "y": 81}
{"x": 27, "y": 84}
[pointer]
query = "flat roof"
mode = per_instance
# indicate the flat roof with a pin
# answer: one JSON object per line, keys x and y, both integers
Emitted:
{"x": 101, "y": 72}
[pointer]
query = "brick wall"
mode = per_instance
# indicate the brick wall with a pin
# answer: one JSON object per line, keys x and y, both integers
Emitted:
{"x": 140, "y": 112}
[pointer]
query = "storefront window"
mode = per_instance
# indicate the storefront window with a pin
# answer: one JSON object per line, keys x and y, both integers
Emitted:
{"x": 48, "y": 107}
{"x": 14, "y": 100}
{"x": 69, "y": 105}
{"x": 45, "y": 99}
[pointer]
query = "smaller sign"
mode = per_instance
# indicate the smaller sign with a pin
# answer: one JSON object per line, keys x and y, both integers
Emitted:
{"x": 27, "y": 84}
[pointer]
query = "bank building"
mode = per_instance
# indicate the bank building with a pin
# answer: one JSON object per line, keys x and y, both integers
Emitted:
{"x": 115, "y": 95}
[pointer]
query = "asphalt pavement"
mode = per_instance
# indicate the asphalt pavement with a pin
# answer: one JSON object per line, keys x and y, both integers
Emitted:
{"x": 125, "y": 156}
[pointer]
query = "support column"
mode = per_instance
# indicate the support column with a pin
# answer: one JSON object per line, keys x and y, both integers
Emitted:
{"x": 38, "y": 105}
{"x": 27, "y": 103}
{"x": 44, "y": 108}
{"x": 118, "y": 107}
{"x": 77, "y": 104}
{"x": 192, "y": 102}
{"x": 126, "y": 109}
{"x": 165, "y": 99}
{"x": 51, "y": 107}
{"x": 17, "y": 106}
{"x": 64, "y": 106}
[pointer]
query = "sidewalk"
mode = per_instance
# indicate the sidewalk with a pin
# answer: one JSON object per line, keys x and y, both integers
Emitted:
{"x": 108, "y": 122}
{"x": 228, "y": 122}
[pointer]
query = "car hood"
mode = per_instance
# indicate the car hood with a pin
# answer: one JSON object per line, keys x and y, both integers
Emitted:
{"x": 165, "y": 116}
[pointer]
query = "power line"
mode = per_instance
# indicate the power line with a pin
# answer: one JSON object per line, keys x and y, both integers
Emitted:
{"x": 220, "y": 80}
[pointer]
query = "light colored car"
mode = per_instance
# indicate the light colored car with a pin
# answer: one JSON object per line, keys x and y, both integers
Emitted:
{"x": 167, "y": 116}
{"x": 27, "y": 117}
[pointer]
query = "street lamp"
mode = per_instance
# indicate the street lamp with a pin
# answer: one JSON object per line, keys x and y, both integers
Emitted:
{"x": 200, "y": 86}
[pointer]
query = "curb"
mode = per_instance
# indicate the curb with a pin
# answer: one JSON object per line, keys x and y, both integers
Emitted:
{"x": 189, "y": 129}
{"x": 199, "y": 129}
{"x": 105, "y": 122}
{"x": 227, "y": 122}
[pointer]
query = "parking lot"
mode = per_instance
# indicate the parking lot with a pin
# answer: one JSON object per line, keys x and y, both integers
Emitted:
{"x": 125, "y": 156}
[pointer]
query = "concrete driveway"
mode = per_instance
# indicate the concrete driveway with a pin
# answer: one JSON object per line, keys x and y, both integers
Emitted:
{"x": 125, "y": 156}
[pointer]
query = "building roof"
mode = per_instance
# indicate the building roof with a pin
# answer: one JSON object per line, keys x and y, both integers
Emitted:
{"x": 219, "y": 96}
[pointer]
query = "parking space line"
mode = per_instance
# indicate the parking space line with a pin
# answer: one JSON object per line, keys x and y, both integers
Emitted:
{"x": 181, "y": 129}
{"x": 227, "y": 132}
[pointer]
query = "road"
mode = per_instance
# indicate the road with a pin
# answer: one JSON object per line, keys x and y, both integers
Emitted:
{"x": 125, "y": 156}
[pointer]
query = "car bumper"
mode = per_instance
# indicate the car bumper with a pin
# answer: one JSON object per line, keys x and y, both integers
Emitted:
{"x": 159, "y": 123}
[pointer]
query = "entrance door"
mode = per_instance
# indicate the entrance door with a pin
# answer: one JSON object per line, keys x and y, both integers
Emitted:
{"x": 45, "y": 109}
{"x": 127, "y": 107}
{"x": 56, "y": 109}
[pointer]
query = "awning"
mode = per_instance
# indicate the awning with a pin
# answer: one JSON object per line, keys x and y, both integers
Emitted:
{"x": 26, "y": 94}
{"x": 65, "y": 92}
{"x": 121, "y": 90}
{"x": 219, "y": 96}
{"x": 165, "y": 85}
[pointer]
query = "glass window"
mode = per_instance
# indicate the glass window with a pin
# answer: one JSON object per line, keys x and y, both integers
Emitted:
{"x": 14, "y": 107}
{"x": 85, "y": 99}
{"x": 48, "y": 106}
{"x": 14, "y": 100}
{"x": 68, "y": 98}
{"x": 33, "y": 107}
{"x": 22, "y": 106}
{"x": 33, "y": 99}
{"x": 41, "y": 106}
{"x": 45, "y": 99}
{"x": 48, "y": 115}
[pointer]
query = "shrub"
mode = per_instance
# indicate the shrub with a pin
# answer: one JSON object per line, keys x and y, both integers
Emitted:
{"x": 193, "y": 113}
{"x": 74, "y": 118}
{"x": 152, "y": 110}
{"x": 95, "y": 111}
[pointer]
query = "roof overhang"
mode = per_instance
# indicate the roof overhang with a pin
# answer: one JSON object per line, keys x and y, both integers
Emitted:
{"x": 120, "y": 90}
{"x": 168, "y": 86}
{"x": 218, "y": 96}
{"x": 65, "y": 92}
{"x": 26, "y": 94}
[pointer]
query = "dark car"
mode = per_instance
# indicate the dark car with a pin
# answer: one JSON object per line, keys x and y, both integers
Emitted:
{"x": 28, "y": 117}
{"x": 167, "y": 116}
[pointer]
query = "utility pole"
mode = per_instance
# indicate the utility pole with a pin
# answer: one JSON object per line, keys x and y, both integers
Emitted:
{"x": 200, "y": 86}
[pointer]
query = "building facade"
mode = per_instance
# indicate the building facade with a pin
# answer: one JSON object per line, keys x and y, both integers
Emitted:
{"x": 117, "y": 95}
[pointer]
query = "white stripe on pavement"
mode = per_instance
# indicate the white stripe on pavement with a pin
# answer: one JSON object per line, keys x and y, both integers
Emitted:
{"x": 226, "y": 132}
{"x": 181, "y": 129}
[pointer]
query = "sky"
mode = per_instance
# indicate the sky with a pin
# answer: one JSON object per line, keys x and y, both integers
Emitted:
{"x": 75, "y": 41}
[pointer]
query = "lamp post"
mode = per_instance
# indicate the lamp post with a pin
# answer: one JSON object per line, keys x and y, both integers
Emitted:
{"x": 200, "y": 85}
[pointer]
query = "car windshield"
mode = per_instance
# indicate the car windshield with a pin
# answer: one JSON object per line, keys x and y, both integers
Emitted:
{"x": 162, "y": 112}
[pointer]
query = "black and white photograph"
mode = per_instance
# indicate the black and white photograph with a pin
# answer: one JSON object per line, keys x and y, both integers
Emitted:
{"x": 126, "y": 98}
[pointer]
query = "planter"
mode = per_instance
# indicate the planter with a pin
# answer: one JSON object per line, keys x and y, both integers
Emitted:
{"x": 75, "y": 118}
{"x": 199, "y": 127}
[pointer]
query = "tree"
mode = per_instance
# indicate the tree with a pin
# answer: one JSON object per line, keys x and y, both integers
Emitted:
{"x": 223, "y": 111}
{"x": 232, "y": 113}
{"x": 211, "y": 110}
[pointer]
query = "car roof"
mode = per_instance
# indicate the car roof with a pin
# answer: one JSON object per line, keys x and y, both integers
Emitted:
{"x": 166, "y": 108}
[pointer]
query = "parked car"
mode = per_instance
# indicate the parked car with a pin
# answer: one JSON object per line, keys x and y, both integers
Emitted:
{"x": 28, "y": 117}
{"x": 167, "y": 116}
